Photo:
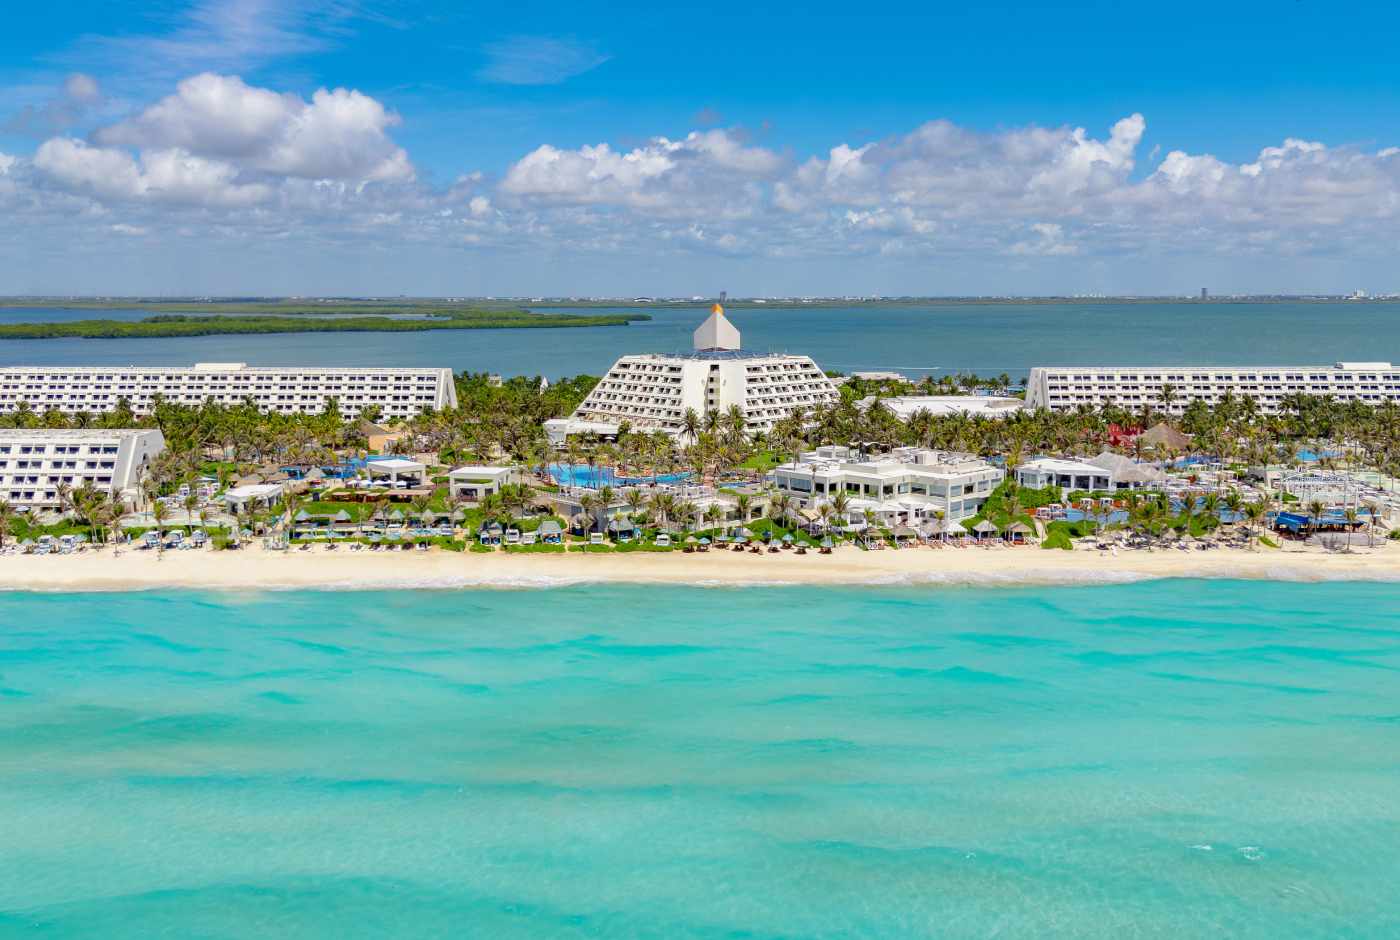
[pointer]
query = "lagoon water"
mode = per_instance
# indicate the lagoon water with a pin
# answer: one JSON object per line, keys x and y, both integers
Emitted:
{"x": 933, "y": 338}
{"x": 1161, "y": 759}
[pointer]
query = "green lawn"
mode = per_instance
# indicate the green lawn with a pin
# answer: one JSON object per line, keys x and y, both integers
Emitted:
{"x": 762, "y": 461}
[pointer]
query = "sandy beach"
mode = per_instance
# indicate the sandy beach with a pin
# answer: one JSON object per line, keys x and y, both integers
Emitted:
{"x": 257, "y": 569}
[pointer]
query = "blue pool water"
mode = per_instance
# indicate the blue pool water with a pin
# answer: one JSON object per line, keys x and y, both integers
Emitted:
{"x": 596, "y": 477}
{"x": 1169, "y": 759}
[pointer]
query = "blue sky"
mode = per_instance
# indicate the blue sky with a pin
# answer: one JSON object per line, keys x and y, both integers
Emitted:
{"x": 545, "y": 148}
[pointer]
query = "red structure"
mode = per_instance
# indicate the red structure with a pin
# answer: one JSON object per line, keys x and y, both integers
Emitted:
{"x": 1121, "y": 436}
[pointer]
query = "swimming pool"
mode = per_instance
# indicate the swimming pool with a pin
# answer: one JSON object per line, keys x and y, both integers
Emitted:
{"x": 595, "y": 477}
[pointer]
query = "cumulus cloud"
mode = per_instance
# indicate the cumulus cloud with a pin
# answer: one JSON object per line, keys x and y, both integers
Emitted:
{"x": 172, "y": 175}
{"x": 707, "y": 171}
{"x": 236, "y": 160}
{"x": 339, "y": 134}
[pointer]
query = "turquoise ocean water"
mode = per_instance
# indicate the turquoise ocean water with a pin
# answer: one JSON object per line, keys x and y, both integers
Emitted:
{"x": 1162, "y": 759}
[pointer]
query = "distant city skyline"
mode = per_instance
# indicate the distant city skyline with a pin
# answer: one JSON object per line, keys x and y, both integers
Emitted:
{"x": 318, "y": 147}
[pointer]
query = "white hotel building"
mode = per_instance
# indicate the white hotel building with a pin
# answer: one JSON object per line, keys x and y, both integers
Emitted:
{"x": 909, "y": 485}
{"x": 399, "y": 393}
{"x": 654, "y": 391}
{"x": 1064, "y": 388}
{"x": 34, "y": 462}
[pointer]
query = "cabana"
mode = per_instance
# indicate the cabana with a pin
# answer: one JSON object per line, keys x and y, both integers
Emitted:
{"x": 490, "y": 533}
{"x": 397, "y": 470}
{"x": 905, "y": 533}
{"x": 622, "y": 530}
{"x": 1018, "y": 532}
{"x": 550, "y": 532}
{"x": 984, "y": 529}
{"x": 1164, "y": 437}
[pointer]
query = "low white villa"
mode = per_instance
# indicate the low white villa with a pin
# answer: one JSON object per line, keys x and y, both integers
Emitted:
{"x": 472, "y": 484}
{"x": 908, "y": 486}
{"x": 253, "y": 495}
{"x": 558, "y": 430}
{"x": 1107, "y": 471}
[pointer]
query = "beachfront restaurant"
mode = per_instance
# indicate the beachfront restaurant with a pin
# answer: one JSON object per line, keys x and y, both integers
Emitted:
{"x": 471, "y": 485}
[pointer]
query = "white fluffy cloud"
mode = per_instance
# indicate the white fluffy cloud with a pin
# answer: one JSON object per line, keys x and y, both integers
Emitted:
{"x": 340, "y": 134}
{"x": 707, "y": 170}
{"x": 234, "y": 160}
{"x": 171, "y": 175}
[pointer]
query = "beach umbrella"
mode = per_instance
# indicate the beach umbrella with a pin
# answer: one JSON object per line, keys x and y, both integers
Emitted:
{"x": 827, "y": 543}
{"x": 788, "y": 539}
{"x": 301, "y": 516}
{"x": 690, "y": 540}
{"x": 704, "y": 540}
{"x": 985, "y": 527}
{"x": 342, "y": 516}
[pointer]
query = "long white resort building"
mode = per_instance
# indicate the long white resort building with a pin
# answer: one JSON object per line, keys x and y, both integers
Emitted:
{"x": 399, "y": 393}
{"x": 33, "y": 463}
{"x": 1064, "y": 388}
{"x": 653, "y": 391}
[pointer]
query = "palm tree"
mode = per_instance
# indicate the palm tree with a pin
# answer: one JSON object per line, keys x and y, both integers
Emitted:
{"x": 824, "y": 513}
{"x": 1352, "y": 516}
{"x": 690, "y": 425}
{"x": 778, "y": 508}
{"x": 1315, "y": 510}
{"x": 159, "y": 513}
{"x": 1210, "y": 507}
{"x": 1254, "y": 512}
{"x": 1234, "y": 504}
{"x": 7, "y": 515}
{"x": 1373, "y": 512}
{"x": 840, "y": 505}
{"x": 191, "y": 504}
{"x": 635, "y": 500}
{"x": 111, "y": 512}
{"x": 589, "y": 503}
{"x": 1188, "y": 509}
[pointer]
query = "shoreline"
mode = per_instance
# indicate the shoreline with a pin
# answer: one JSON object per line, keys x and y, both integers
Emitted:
{"x": 256, "y": 569}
